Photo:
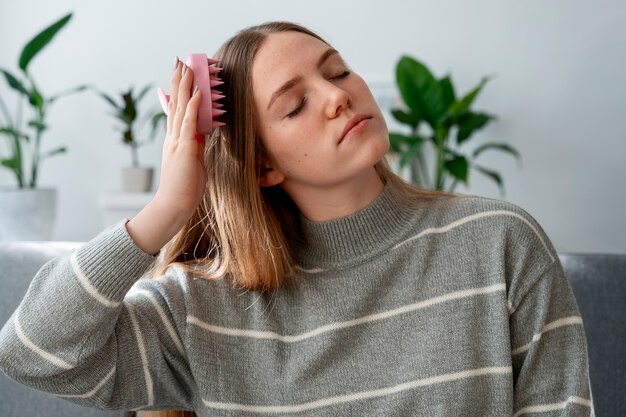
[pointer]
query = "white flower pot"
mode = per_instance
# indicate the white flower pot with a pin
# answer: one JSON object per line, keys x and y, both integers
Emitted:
{"x": 27, "y": 214}
{"x": 137, "y": 180}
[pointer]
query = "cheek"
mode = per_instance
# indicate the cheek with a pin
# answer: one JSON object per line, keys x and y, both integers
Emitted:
{"x": 364, "y": 90}
{"x": 278, "y": 144}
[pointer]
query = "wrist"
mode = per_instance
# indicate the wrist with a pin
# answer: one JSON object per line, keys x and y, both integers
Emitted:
{"x": 155, "y": 225}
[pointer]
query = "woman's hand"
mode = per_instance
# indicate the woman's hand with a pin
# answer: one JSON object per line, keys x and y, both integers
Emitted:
{"x": 183, "y": 176}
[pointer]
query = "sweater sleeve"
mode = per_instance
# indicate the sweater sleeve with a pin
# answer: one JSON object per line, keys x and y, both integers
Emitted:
{"x": 549, "y": 352}
{"x": 78, "y": 335}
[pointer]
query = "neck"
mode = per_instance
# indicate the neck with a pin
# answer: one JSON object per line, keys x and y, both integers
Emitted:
{"x": 328, "y": 203}
{"x": 355, "y": 238}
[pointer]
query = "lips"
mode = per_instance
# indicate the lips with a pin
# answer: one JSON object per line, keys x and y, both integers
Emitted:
{"x": 355, "y": 120}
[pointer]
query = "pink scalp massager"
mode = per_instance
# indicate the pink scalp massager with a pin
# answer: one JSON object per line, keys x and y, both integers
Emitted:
{"x": 205, "y": 77}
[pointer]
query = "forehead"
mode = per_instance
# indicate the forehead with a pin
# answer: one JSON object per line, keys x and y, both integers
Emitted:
{"x": 281, "y": 56}
{"x": 284, "y": 48}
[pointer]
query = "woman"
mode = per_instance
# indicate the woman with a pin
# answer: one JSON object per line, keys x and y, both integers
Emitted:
{"x": 298, "y": 276}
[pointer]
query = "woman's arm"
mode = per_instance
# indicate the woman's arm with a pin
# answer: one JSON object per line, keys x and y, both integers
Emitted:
{"x": 75, "y": 334}
{"x": 78, "y": 335}
{"x": 549, "y": 350}
{"x": 183, "y": 175}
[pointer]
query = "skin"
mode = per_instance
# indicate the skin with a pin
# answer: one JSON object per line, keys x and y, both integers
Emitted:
{"x": 325, "y": 178}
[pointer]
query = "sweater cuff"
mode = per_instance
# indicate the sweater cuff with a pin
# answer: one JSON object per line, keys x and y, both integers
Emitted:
{"x": 112, "y": 262}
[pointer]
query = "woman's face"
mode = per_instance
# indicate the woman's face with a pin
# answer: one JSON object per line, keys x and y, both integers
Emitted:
{"x": 305, "y": 98}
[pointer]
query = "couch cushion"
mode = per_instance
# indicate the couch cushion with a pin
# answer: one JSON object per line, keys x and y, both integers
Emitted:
{"x": 599, "y": 284}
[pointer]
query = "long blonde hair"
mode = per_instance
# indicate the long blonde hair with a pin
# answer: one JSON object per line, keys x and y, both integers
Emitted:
{"x": 240, "y": 229}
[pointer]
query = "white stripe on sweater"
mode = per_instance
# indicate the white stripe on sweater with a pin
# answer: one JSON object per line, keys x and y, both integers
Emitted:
{"x": 339, "y": 325}
{"x": 325, "y": 402}
{"x": 91, "y": 290}
{"x": 142, "y": 352}
{"x": 542, "y": 408}
{"x": 166, "y": 322}
{"x": 96, "y": 388}
{"x": 566, "y": 321}
{"x": 464, "y": 220}
{"x": 39, "y": 351}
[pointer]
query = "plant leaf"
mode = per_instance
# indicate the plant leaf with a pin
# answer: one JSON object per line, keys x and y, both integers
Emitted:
{"x": 127, "y": 137}
{"x": 441, "y": 134}
{"x": 400, "y": 143}
{"x": 8, "y": 131}
{"x": 493, "y": 175}
{"x": 396, "y": 142}
{"x": 35, "y": 98}
{"x": 464, "y": 103}
{"x": 408, "y": 118}
{"x": 410, "y": 153}
{"x": 11, "y": 132}
{"x": 10, "y": 163}
{"x": 14, "y": 83}
{"x": 55, "y": 151}
{"x": 458, "y": 167}
{"x": 435, "y": 103}
{"x": 450, "y": 151}
{"x": 143, "y": 93}
{"x": 427, "y": 98}
{"x": 129, "y": 113}
{"x": 497, "y": 146}
{"x": 469, "y": 123}
{"x": 68, "y": 92}
{"x": 447, "y": 91}
{"x": 37, "y": 125}
{"x": 412, "y": 77}
{"x": 33, "y": 47}
{"x": 156, "y": 120}
{"x": 109, "y": 99}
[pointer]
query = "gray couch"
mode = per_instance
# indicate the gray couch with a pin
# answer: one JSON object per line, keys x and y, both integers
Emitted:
{"x": 599, "y": 284}
{"x": 598, "y": 281}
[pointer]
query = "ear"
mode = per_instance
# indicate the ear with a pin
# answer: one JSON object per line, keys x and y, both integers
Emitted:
{"x": 270, "y": 176}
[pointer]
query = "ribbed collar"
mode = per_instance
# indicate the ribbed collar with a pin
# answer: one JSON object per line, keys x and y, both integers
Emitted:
{"x": 353, "y": 239}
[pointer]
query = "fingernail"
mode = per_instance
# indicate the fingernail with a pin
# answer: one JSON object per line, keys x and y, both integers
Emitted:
{"x": 176, "y": 62}
{"x": 184, "y": 68}
{"x": 195, "y": 90}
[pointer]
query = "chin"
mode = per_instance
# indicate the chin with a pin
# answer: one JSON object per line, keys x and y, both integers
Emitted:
{"x": 377, "y": 150}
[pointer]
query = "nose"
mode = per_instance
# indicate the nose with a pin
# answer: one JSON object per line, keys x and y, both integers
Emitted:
{"x": 338, "y": 100}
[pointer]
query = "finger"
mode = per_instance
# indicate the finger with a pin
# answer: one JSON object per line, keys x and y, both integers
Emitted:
{"x": 190, "y": 121}
{"x": 200, "y": 139}
{"x": 184, "y": 92}
{"x": 171, "y": 106}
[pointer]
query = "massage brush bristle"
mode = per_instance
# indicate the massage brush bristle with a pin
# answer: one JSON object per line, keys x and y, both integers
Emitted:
{"x": 205, "y": 76}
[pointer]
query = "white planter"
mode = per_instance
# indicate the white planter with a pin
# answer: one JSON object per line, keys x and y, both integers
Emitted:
{"x": 137, "y": 180}
{"x": 27, "y": 214}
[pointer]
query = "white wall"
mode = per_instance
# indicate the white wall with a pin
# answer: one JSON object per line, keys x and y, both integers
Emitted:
{"x": 559, "y": 91}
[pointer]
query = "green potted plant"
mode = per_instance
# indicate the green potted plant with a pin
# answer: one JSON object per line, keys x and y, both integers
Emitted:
{"x": 433, "y": 102}
{"x": 28, "y": 212}
{"x": 135, "y": 178}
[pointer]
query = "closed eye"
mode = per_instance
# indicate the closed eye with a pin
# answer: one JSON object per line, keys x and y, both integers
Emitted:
{"x": 342, "y": 75}
{"x": 298, "y": 109}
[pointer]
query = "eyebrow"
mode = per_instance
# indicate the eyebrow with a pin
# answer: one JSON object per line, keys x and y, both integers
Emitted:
{"x": 295, "y": 80}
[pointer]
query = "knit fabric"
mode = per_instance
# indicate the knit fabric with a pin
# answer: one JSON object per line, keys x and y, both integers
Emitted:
{"x": 405, "y": 308}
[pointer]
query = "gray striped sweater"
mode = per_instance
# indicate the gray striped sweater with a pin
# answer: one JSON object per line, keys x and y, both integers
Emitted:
{"x": 459, "y": 309}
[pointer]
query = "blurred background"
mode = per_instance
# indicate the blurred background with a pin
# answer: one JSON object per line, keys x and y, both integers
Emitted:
{"x": 558, "y": 90}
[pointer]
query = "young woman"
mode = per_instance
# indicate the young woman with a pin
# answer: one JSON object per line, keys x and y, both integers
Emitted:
{"x": 294, "y": 274}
